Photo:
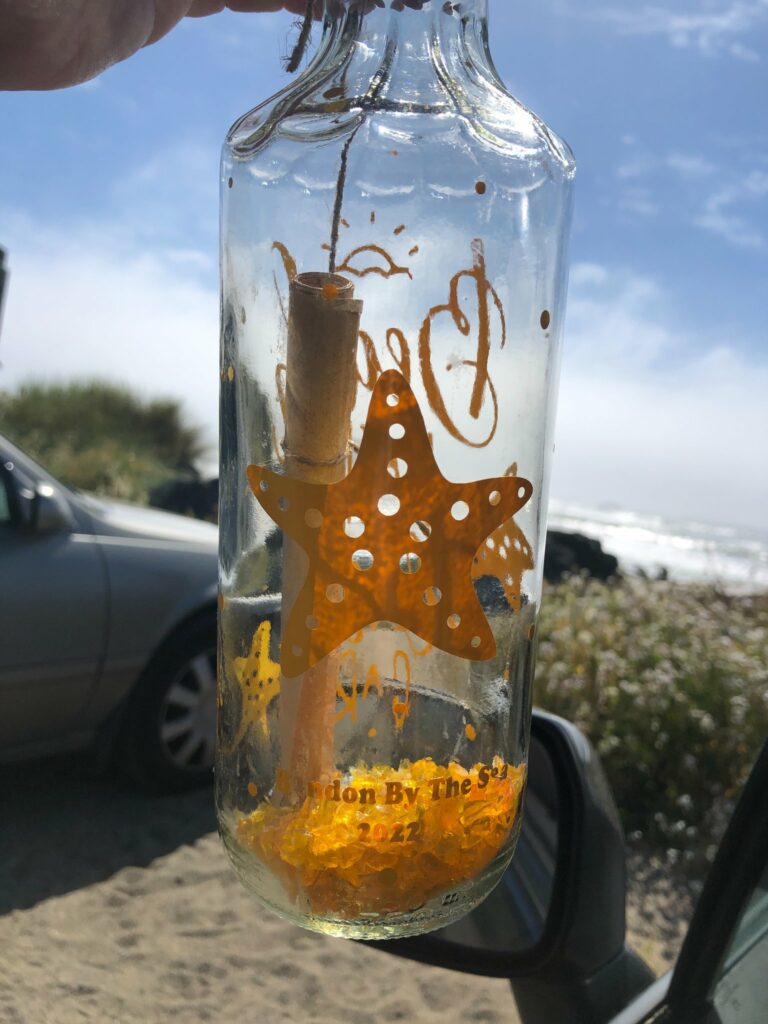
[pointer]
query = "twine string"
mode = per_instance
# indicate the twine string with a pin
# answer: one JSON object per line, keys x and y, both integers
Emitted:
{"x": 297, "y": 54}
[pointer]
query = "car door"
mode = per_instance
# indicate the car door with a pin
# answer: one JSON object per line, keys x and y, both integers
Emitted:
{"x": 53, "y": 608}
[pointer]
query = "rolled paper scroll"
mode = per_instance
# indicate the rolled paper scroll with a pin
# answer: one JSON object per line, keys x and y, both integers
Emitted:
{"x": 321, "y": 383}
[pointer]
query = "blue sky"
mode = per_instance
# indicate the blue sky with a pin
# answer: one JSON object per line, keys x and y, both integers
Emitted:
{"x": 108, "y": 206}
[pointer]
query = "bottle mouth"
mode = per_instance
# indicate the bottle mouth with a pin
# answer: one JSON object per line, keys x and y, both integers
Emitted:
{"x": 363, "y": 7}
{"x": 393, "y": 48}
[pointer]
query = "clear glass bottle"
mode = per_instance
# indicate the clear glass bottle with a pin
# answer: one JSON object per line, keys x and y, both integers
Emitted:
{"x": 393, "y": 253}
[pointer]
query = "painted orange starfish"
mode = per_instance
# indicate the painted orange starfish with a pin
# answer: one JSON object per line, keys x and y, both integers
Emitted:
{"x": 393, "y": 541}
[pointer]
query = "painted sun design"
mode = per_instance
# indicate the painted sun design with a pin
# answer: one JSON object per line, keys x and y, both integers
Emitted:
{"x": 372, "y": 258}
{"x": 393, "y": 541}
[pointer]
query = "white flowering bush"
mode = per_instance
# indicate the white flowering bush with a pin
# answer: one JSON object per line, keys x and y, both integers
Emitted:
{"x": 670, "y": 683}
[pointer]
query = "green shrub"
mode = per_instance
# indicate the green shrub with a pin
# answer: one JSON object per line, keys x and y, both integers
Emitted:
{"x": 101, "y": 437}
{"x": 670, "y": 683}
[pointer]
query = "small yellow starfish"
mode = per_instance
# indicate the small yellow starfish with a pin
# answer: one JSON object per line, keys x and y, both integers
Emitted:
{"x": 259, "y": 679}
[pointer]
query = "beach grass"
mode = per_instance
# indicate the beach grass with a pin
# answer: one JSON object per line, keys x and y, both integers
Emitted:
{"x": 670, "y": 683}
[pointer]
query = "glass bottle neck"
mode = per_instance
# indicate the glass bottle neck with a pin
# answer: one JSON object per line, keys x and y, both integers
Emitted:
{"x": 405, "y": 52}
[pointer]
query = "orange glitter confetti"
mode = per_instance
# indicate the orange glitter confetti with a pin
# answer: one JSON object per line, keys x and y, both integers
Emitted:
{"x": 372, "y": 733}
{"x": 330, "y": 291}
{"x": 386, "y": 840}
{"x": 470, "y": 731}
{"x": 253, "y": 789}
{"x": 480, "y": 188}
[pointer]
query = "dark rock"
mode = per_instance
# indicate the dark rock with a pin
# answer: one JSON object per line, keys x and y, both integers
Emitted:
{"x": 573, "y": 553}
{"x": 198, "y": 498}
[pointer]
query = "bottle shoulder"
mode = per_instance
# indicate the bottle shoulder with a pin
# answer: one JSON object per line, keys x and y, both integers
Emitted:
{"x": 478, "y": 118}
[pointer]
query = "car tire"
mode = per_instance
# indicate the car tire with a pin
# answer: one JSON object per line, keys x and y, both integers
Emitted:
{"x": 168, "y": 734}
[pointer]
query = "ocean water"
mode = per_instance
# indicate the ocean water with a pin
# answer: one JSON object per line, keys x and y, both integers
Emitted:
{"x": 735, "y": 556}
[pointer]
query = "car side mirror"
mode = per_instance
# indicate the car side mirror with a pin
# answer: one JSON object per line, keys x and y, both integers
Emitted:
{"x": 49, "y": 511}
{"x": 555, "y": 924}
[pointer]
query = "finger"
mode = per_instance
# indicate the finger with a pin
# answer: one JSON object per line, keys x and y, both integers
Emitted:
{"x": 167, "y": 14}
{"x": 263, "y": 6}
{"x": 202, "y": 8}
{"x": 63, "y": 42}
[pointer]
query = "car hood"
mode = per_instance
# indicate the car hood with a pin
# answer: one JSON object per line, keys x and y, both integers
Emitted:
{"x": 119, "y": 519}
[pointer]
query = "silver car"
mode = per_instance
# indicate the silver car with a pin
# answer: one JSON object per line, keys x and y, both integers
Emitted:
{"x": 107, "y": 628}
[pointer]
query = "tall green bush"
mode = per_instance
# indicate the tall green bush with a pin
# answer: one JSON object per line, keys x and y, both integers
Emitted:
{"x": 101, "y": 437}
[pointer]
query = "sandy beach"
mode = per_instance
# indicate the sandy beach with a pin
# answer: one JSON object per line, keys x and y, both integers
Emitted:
{"x": 115, "y": 906}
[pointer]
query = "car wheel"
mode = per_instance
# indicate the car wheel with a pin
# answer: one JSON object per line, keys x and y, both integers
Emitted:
{"x": 169, "y": 733}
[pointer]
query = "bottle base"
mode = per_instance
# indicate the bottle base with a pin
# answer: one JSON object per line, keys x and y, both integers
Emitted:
{"x": 435, "y": 913}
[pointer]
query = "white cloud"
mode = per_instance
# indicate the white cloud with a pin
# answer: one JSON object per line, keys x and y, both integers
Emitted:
{"x": 710, "y": 28}
{"x": 172, "y": 196}
{"x": 721, "y": 212}
{"x": 742, "y": 52}
{"x": 89, "y": 303}
{"x": 638, "y": 201}
{"x": 690, "y": 165}
{"x": 616, "y": 318}
{"x": 583, "y": 275}
{"x": 652, "y": 417}
{"x": 637, "y": 198}
{"x": 636, "y": 167}
{"x": 642, "y": 163}
{"x": 719, "y": 216}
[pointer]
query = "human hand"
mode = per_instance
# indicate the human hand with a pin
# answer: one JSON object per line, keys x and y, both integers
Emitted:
{"x": 50, "y": 44}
